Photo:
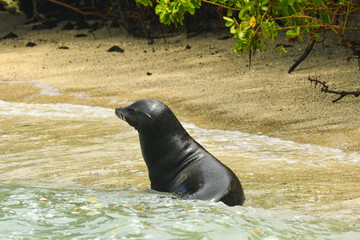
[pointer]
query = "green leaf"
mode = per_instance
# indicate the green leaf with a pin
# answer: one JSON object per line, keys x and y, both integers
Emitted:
{"x": 228, "y": 19}
{"x": 265, "y": 30}
{"x": 265, "y": 2}
{"x": 192, "y": 11}
{"x": 316, "y": 35}
{"x": 325, "y": 18}
{"x": 291, "y": 33}
{"x": 264, "y": 46}
{"x": 252, "y": 7}
{"x": 181, "y": 10}
{"x": 228, "y": 24}
{"x": 282, "y": 49}
{"x": 241, "y": 14}
{"x": 162, "y": 17}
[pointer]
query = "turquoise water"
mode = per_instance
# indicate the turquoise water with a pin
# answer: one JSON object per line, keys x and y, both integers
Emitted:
{"x": 47, "y": 149}
{"x": 76, "y": 212}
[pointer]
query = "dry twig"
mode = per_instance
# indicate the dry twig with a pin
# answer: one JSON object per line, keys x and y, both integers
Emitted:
{"x": 325, "y": 89}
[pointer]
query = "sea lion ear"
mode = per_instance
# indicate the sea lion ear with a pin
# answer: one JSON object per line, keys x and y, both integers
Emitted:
{"x": 149, "y": 116}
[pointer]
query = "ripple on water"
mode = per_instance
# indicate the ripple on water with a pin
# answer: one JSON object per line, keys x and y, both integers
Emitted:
{"x": 63, "y": 142}
{"x": 78, "y": 212}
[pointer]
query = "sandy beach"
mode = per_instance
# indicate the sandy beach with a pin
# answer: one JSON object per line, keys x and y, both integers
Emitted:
{"x": 201, "y": 78}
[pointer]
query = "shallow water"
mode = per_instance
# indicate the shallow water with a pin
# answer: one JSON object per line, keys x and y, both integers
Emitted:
{"x": 72, "y": 171}
{"x": 77, "y": 212}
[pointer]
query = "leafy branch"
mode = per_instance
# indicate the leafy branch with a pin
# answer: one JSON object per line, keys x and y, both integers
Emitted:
{"x": 252, "y": 23}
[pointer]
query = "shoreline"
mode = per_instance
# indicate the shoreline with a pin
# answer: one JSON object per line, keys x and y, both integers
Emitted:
{"x": 207, "y": 84}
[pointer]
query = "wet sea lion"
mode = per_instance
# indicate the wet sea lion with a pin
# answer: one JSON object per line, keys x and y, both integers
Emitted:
{"x": 175, "y": 161}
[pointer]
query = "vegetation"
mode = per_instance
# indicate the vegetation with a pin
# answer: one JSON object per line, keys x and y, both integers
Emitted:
{"x": 254, "y": 22}
{"x": 11, "y": 6}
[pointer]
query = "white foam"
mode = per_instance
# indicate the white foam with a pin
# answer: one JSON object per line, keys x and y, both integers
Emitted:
{"x": 46, "y": 89}
{"x": 225, "y": 143}
{"x": 261, "y": 147}
{"x": 59, "y": 110}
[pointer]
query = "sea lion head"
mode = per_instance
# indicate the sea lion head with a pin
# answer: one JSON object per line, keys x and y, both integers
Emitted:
{"x": 145, "y": 114}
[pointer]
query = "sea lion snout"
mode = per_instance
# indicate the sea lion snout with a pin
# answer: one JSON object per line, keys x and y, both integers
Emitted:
{"x": 119, "y": 113}
{"x": 127, "y": 114}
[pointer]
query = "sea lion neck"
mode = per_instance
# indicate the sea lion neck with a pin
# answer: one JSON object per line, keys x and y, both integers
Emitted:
{"x": 159, "y": 141}
{"x": 157, "y": 147}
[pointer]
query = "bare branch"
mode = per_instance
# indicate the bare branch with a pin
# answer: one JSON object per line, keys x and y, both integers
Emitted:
{"x": 303, "y": 56}
{"x": 325, "y": 89}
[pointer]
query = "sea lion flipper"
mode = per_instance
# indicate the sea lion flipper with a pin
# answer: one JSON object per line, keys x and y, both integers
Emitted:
{"x": 207, "y": 193}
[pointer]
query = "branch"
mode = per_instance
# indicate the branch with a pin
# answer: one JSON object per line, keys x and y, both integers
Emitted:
{"x": 303, "y": 56}
{"x": 325, "y": 89}
{"x": 105, "y": 17}
{"x": 221, "y": 5}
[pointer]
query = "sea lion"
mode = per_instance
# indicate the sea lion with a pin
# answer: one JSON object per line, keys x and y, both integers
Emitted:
{"x": 176, "y": 162}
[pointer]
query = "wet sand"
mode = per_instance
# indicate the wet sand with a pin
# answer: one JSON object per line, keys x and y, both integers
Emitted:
{"x": 205, "y": 83}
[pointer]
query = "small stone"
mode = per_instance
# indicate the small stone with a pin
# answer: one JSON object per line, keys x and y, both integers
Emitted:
{"x": 115, "y": 49}
{"x": 30, "y": 44}
{"x": 80, "y": 35}
{"x": 11, "y": 35}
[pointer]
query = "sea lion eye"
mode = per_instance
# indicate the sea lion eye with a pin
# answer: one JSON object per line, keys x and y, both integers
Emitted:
{"x": 131, "y": 110}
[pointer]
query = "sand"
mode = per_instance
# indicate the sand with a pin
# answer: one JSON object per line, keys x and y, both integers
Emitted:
{"x": 205, "y": 83}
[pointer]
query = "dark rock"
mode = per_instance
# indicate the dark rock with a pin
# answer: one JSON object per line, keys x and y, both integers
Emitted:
{"x": 31, "y": 44}
{"x": 224, "y": 38}
{"x": 11, "y": 35}
{"x": 115, "y": 49}
{"x": 80, "y": 35}
{"x": 68, "y": 26}
{"x": 284, "y": 45}
{"x": 50, "y": 24}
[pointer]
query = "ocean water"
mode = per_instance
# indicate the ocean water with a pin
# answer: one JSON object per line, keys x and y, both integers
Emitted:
{"x": 76, "y": 172}
{"x": 43, "y": 211}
